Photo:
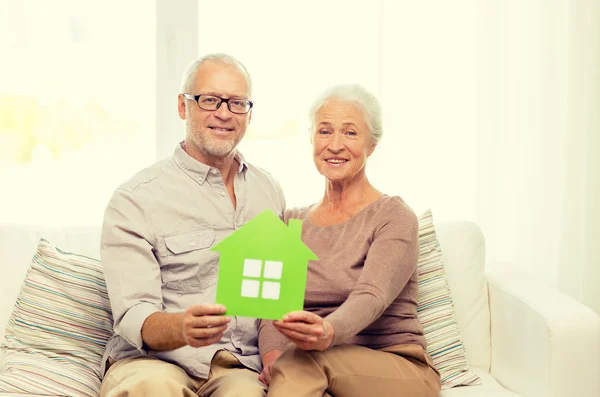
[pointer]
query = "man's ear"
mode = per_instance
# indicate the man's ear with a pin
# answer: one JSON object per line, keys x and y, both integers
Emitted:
{"x": 181, "y": 106}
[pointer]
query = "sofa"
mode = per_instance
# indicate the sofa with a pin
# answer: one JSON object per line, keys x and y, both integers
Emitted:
{"x": 522, "y": 338}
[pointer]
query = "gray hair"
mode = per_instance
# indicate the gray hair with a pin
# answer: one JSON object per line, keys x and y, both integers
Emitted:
{"x": 358, "y": 95}
{"x": 189, "y": 75}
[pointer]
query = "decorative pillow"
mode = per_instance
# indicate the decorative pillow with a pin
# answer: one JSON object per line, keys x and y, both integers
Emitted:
{"x": 436, "y": 312}
{"x": 57, "y": 333}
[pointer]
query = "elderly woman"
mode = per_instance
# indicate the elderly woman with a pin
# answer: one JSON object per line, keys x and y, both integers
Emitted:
{"x": 359, "y": 334}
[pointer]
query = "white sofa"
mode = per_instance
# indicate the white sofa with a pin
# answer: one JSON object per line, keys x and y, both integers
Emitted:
{"x": 522, "y": 338}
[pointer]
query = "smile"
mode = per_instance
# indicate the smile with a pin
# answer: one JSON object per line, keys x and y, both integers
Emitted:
{"x": 336, "y": 161}
{"x": 221, "y": 129}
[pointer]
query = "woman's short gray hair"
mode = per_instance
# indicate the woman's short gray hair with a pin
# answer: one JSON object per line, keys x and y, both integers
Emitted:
{"x": 189, "y": 76}
{"x": 358, "y": 95}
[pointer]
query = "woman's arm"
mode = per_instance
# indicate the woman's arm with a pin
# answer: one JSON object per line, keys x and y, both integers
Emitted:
{"x": 390, "y": 263}
{"x": 269, "y": 338}
{"x": 270, "y": 346}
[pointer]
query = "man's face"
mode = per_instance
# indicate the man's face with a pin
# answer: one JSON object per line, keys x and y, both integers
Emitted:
{"x": 215, "y": 133}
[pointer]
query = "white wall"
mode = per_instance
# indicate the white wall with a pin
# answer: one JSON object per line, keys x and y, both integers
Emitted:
{"x": 579, "y": 271}
{"x": 521, "y": 125}
{"x": 428, "y": 152}
{"x": 538, "y": 97}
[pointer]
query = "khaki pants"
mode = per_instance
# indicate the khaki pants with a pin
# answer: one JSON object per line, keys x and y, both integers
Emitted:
{"x": 355, "y": 371}
{"x": 150, "y": 377}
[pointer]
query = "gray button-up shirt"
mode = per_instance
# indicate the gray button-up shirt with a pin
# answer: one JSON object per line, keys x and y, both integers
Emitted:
{"x": 158, "y": 231}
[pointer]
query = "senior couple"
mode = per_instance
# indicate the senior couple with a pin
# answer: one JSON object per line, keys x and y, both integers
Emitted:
{"x": 358, "y": 335}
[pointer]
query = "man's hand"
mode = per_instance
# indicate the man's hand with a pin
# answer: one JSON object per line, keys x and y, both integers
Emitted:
{"x": 306, "y": 330}
{"x": 204, "y": 324}
{"x": 199, "y": 325}
{"x": 267, "y": 361}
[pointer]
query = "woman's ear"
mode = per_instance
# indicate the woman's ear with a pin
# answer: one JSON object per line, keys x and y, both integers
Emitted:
{"x": 371, "y": 149}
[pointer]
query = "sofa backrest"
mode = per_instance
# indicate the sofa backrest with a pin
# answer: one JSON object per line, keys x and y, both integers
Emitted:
{"x": 462, "y": 246}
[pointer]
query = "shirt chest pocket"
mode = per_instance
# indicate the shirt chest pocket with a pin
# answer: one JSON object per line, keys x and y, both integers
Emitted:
{"x": 189, "y": 264}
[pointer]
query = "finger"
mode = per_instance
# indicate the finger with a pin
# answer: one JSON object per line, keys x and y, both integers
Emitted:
{"x": 206, "y": 321}
{"x": 303, "y": 328}
{"x": 205, "y": 342}
{"x": 267, "y": 375}
{"x": 205, "y": 333}
{"x": 302, "y": 315}
{"x": 264, "y": 380}
{"x": 204, "y": 309}
{"x": 298, "y": 337}
{"x": 261, "y": 379}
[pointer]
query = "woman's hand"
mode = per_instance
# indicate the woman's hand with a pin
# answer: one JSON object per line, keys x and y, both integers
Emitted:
{"x": 306, "y": 330}
{"x": 267, "y": 360}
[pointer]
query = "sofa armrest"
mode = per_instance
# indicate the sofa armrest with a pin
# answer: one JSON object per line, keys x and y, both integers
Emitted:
{"x": 544, "y": 343}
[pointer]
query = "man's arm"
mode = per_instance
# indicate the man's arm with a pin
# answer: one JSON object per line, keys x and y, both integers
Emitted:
{"x": 131, "y": 271}
{"x": 134, "y": 286}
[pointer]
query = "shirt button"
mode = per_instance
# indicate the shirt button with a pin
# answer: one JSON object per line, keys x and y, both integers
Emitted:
{"x": 222, "y": 194}
{"x": 192, "y": 243}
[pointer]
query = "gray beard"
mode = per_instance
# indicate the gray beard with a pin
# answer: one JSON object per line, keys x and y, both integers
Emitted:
{"x": 219, "y": 149}
{"x": 212, "y": 147}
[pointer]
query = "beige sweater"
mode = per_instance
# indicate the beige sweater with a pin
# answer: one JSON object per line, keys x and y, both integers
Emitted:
{"x": 365, "y": 281}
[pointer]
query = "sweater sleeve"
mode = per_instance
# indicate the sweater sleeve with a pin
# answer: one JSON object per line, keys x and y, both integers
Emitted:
{"x": 269, "y": 338}
{"x": 390, "y": 263}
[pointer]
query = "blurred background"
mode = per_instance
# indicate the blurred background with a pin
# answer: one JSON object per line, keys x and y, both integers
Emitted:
{"x": 491, "y": 108}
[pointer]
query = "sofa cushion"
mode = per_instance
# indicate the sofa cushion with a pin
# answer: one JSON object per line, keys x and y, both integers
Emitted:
{"x": 463, "y": 252}
{"x": 489, "y": 387}
{"x": 57, "y": 333}
{"x": 436, "y": 311}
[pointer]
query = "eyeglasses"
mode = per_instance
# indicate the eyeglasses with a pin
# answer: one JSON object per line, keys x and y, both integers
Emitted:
{"x": 211, "y": 102}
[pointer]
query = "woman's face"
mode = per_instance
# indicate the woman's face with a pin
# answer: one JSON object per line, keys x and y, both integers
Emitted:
{"x": 341, "y": 141}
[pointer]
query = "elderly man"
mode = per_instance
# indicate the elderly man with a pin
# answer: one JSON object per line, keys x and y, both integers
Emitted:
{"x": 171, "y": 339}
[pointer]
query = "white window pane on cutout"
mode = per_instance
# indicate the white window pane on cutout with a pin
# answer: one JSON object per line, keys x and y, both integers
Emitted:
{"x": 252, "y": 268}
{"x": 270, "y": 290}
{"x": 76, "y": 106}
{"x": 250, "y": 288}
{"x": 293, "y": 51}
{"x": 273, "y": 270}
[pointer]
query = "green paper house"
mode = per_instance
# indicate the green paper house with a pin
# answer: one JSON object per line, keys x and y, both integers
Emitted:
{"x": 262, "y": 268}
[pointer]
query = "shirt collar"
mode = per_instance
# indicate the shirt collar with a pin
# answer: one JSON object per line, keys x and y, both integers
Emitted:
{"x": 198, "y": 170}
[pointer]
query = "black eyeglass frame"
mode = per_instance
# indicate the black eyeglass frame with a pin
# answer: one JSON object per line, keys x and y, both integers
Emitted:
{"x": 226, "y": 100}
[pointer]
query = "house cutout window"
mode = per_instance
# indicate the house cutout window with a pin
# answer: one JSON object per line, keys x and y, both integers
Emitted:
{"x": 256, "y": 276}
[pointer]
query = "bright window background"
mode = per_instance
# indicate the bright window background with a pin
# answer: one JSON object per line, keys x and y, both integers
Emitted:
{"x": 490, "y": 108}
{"x": 76, "y": 105}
